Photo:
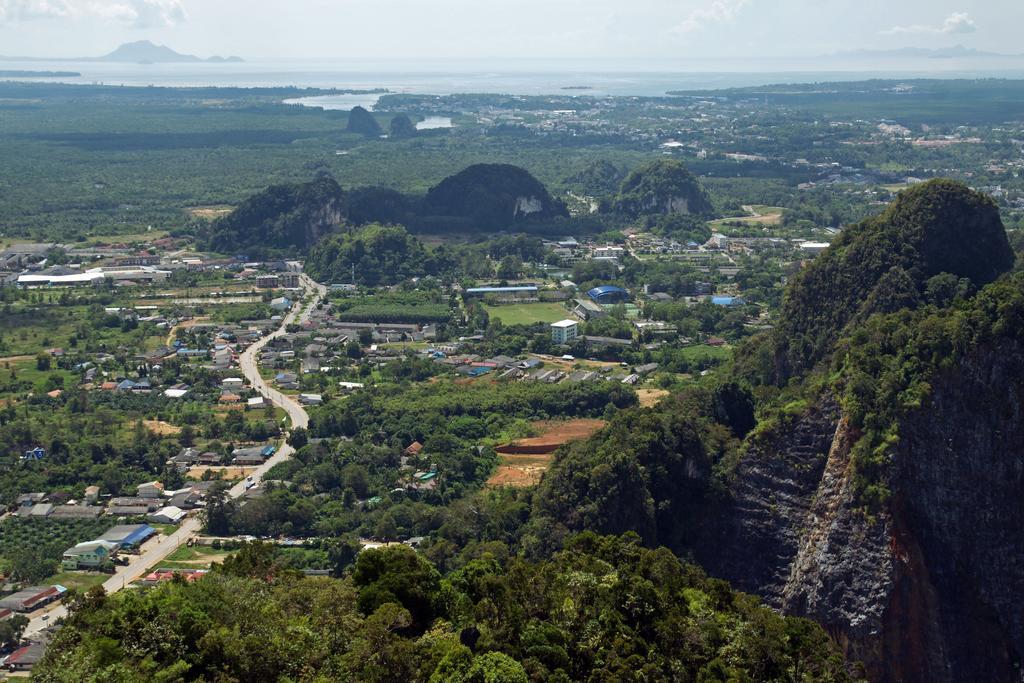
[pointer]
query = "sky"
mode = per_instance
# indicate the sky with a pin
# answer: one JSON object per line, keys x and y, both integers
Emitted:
{"x": 507, "y": 29}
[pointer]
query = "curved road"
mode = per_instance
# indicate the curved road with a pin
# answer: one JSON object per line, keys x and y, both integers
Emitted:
{"x": 156, "y": 552}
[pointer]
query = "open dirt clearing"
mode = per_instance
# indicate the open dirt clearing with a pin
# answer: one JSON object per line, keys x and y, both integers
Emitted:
{"x": 650, "y": 397}
{"x": 161, "y": 428}
{"x": 524, "y": 461}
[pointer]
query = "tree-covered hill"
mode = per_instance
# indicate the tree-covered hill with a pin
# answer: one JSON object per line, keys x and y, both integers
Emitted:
{"x": 364, "y": 123}
{"x": 402, "y": 127}
{"x": 282, "y": 217}
{"x": 935, "y": 240}
{"x": 598, "y": 178}
{"x": 603, "y": 609}
{"x": 492, "y": 196}
{"x": 664, "y": 186}
{"x": 376, "y": 254}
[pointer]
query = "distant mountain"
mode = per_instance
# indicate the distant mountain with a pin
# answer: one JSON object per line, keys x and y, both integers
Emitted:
{"x": 955, "y": 52}
{"x": 146, "y": 52}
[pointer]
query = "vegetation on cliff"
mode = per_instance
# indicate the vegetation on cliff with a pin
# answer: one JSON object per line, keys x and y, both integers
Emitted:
{"x": 937, "y": 229}
{"x": 887, "y": 364}
{"x": 664, "y": 186}
{"x": 282, "y": 217}
{"x": 603, "y": 609}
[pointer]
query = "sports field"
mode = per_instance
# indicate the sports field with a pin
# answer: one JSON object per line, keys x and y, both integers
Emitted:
{"x": 527, "y": 314}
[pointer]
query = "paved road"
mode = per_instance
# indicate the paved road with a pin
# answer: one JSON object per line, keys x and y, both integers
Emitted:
{"x": 157, "y": 550}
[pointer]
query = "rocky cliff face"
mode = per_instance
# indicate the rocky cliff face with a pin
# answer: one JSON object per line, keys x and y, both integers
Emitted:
{"x": 929, "y": 589}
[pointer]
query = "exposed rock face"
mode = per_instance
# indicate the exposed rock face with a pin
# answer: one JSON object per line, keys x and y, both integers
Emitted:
{"x": 929, "y": 589}
{"x": 527, "y": 205}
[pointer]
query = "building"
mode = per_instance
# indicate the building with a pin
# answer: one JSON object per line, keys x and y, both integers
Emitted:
{"x": 92, "y": 494}
{"x": 564, "y": 331}
{"x": 606, "y": 342}
{"x": 281, "y": 304}
{"x": 268, "y": 282}
{"x": 151, "y": 489}
{"x": 141, "y": 259}
{"x": 89, "y": 555}
{"x": 587, "y": 309}
{"x": 608, "y": 294}
{"x": 31, "y": 599}
{"x": 813, "y": 248}
{"x": 728, "y": 301}
{"x": 290, "y": 280}
{"x": 518, "y": 292}
{"x": 37, "y": 453}
{"x": 128, "y": 536}
{"x": 168, "y": 515}
{"x": 27, "y": 656}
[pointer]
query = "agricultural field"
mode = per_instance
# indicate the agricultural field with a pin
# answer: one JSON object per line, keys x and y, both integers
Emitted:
{"x": 527, "y": 314}
{"x": 30, "y": 549}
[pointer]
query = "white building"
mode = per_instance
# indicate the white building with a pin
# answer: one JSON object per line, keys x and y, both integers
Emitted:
{"x": 564, "y": 331}
{"x": 813, "y": 248}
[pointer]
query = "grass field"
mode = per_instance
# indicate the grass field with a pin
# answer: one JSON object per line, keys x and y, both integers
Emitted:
{"x": 759, "y": 215}
{"x": 527, "y": 314}
{"x": 697, "y": 353}
{"x": 196, "y": 557}
{"x": 83, "y": 581}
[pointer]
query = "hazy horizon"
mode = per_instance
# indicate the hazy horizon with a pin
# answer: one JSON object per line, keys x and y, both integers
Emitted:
{"x": 655, "y": 30}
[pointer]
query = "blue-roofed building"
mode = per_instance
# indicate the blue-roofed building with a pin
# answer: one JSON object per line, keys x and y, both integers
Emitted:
{"x": 608, "y": 294}
{"x": 728, "y": 301}
{"x": 128, "y": 536}
{"x": 37, "y": 453}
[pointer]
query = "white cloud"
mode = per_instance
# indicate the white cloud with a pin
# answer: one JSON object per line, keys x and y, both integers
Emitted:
{"x": 136, "y": 13}
{"x": 955, "y": 23}
{"x": 716, "y": 12}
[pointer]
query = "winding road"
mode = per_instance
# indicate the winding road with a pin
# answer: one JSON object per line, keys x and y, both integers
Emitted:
{"x": 157, "y": 549}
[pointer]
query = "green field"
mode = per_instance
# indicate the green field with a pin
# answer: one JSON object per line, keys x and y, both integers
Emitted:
{"x": 527, "y": 314}
{"x": 702, "y": 351}
{"x": 196, "y": 557}
{"x": 80, "y": 580}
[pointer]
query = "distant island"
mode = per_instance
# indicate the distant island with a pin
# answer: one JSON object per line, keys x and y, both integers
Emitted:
{"x": 577, "y": 87}
{"x": 39, "y": 74}
{"x": 954, "y": 52}
{"x": 139, "y": 52}
{"x": 145, "y": 52}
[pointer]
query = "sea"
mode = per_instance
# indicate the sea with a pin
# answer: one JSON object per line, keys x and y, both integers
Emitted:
{"x": 514, "y": 77}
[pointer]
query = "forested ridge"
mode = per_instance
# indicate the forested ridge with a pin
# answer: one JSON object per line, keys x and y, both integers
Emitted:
{"x": 605, "y": 608}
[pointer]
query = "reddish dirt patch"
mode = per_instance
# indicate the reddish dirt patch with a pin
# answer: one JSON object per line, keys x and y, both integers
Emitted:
{"x": 524, "y": 461}
{"x": 551, "y": 435}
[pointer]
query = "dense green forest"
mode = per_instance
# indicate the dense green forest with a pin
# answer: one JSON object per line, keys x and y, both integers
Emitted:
{"x": 396, "y": 618}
